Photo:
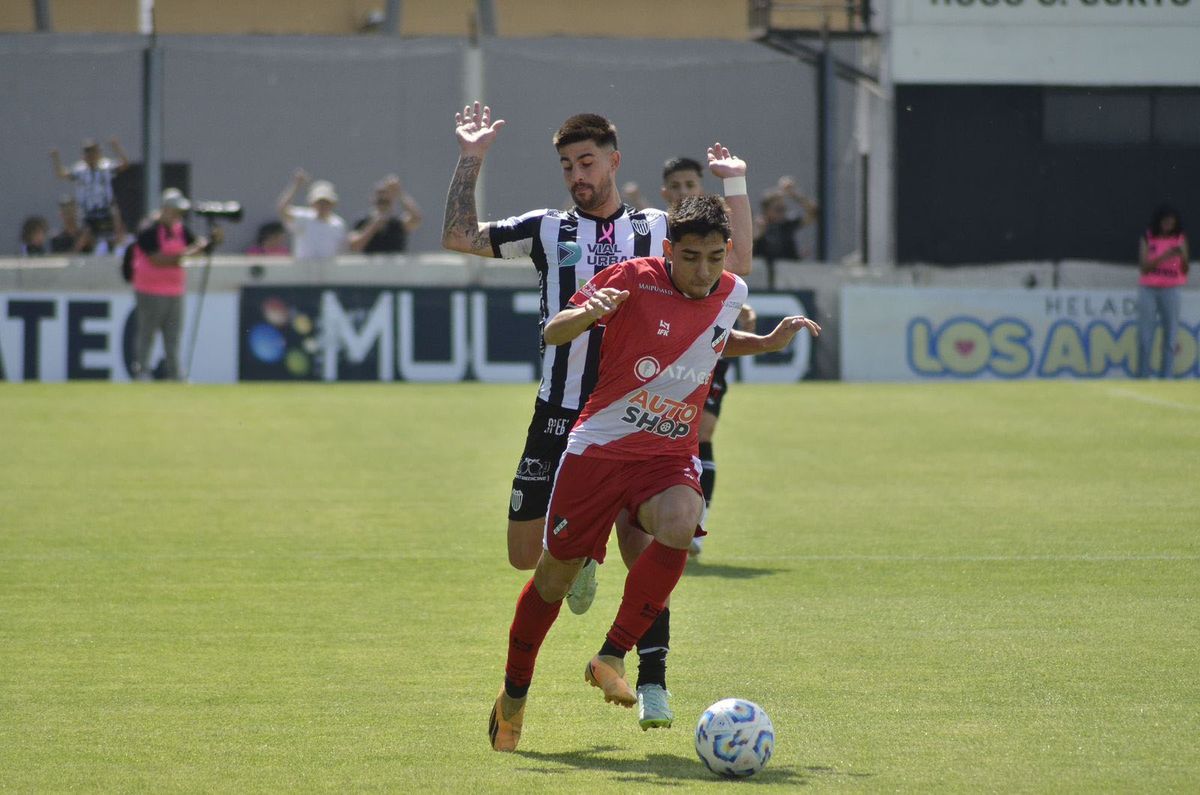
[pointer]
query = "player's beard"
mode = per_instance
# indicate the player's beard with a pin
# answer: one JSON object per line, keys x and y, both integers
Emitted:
{"x": 590, "y": 197}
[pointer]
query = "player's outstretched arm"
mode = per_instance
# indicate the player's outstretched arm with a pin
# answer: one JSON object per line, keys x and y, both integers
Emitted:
{"x": 573, "y": 321}
{"x": 732, "y": 170}
{"x": 742, "y": 343}
{"x": 461, "y": 230}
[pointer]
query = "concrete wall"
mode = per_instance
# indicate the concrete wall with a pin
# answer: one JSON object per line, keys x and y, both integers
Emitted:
{"x": 246, "y": 111}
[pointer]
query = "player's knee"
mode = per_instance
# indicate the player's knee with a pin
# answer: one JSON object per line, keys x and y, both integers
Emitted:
{"x": 676, "y": 534}
{"x": 552, "y": 590}
{"x": 552, "y": 578}
{"x": 523, "y": 559}
{"x": 524, "y": 544}
{"x": 675, "y": 525}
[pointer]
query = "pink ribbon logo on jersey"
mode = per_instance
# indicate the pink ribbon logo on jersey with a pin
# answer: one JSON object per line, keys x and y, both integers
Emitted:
{"x": 607, "y": 232}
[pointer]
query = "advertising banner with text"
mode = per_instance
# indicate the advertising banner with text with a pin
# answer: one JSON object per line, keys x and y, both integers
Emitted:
{"x": 90, "y": 336}
{"x": 1054, "y": 42}
{"x": 343, "y": 333}
{"x": 912, "y": 334}
{"x": 353, "y": 333}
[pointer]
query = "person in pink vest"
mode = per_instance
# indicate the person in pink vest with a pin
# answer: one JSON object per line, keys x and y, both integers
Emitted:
{"x": 159, "y": 281}
{"x": 1163, "y": 258}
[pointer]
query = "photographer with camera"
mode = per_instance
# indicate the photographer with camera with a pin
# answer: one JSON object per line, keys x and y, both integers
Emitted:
{"x": 159, "y": 281}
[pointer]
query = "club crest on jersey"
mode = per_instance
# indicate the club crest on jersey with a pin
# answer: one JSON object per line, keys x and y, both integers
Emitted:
{"x": 518, "y": 497}
{"x": 640, "y": 225}
{"x": 664, "y": 328}
{"x": 720, "y": 337}
{"x": 560, "y": 524}
{"x": 568, "y": 253}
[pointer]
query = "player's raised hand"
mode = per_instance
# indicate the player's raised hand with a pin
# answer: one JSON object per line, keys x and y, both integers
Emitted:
{"x": 723, "y": 164}
{"x": 475, "y": 128}
{"x": 605, "y": 300}
{"x": 778, "y": 339}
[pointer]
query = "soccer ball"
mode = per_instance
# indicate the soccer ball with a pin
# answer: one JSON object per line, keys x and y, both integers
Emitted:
{"x": 735, "y": 738}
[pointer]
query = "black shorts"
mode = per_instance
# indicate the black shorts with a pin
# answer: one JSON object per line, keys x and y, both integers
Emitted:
{"x": 101, "y": 225}
{"x": 716, "y": 390}
{"x": 544, "y": 445}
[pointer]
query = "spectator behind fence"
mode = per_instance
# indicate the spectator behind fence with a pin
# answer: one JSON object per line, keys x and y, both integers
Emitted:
{"x": 271, "y": 239}
{"x": 93, "y": 178}
{"x": 776, "y": 227}
{"x": 384, "y": 231}
{"x": 159, "y": 282}
{"x": 1163, "y": 257}
{"x": 33, "y": 236}
{"x": 72, "y": 238}
{"x": 317, "y": 231}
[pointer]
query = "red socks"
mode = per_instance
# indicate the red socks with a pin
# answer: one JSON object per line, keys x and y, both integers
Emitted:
{"x": 530, "y": 625}
{"x": 647, "y": 588}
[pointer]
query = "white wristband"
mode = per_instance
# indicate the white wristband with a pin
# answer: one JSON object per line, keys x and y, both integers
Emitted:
{"x": 735, "y": 186}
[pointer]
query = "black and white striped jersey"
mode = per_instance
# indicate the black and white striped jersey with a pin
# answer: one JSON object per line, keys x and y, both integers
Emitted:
{"x": 93, "y": 187}
{"x": 568, "y": 248}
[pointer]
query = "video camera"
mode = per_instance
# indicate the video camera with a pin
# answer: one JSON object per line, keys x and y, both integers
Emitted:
{"x": 215, "y": 211}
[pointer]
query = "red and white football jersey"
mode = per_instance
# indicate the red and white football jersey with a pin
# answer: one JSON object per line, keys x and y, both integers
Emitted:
{"x": 656, "y": 362}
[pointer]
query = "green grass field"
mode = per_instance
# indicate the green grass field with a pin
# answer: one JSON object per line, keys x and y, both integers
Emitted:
{"x": 958, "y": 588}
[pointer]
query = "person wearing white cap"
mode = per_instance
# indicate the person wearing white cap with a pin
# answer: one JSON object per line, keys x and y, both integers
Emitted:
{"x": 159, "y": 282}
{"x": 317, "y": 231}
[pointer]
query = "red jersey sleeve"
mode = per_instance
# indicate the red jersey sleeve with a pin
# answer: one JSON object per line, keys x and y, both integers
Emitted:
{"x": 618, "y": 277}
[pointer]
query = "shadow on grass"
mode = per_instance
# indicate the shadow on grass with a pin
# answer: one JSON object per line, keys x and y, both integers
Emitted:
{"x": 668, "y": 770}
{"x": 698, "y": 569}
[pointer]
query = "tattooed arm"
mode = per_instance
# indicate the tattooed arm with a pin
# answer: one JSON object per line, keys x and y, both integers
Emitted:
{"x": 461, "y": 229}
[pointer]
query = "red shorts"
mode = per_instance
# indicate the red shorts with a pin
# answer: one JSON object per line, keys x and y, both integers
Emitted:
{"x": 589, "y": 493}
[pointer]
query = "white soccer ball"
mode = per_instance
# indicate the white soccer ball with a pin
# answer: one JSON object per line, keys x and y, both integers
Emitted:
{"x": 735, "y": 738}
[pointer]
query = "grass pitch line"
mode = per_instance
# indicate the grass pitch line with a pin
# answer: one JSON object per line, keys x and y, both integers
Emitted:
{"x": 1129, "y": 394}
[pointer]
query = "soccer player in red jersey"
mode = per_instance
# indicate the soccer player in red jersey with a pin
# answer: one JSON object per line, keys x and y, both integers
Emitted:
{"x": 682, "y": 176}
{"x": 568, "y": 248}
{"x": 667, "y": 321}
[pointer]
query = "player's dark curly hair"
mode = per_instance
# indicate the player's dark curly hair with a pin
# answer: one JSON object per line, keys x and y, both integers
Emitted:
{"x": 698, "y": 215}
{"x": 680, "y": 164}
{"x": 586, "y": 127}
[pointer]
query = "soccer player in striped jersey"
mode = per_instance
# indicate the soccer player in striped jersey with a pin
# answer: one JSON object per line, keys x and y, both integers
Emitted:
{"x": 667, "y": 322}
{"x": 568, "y": 249}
